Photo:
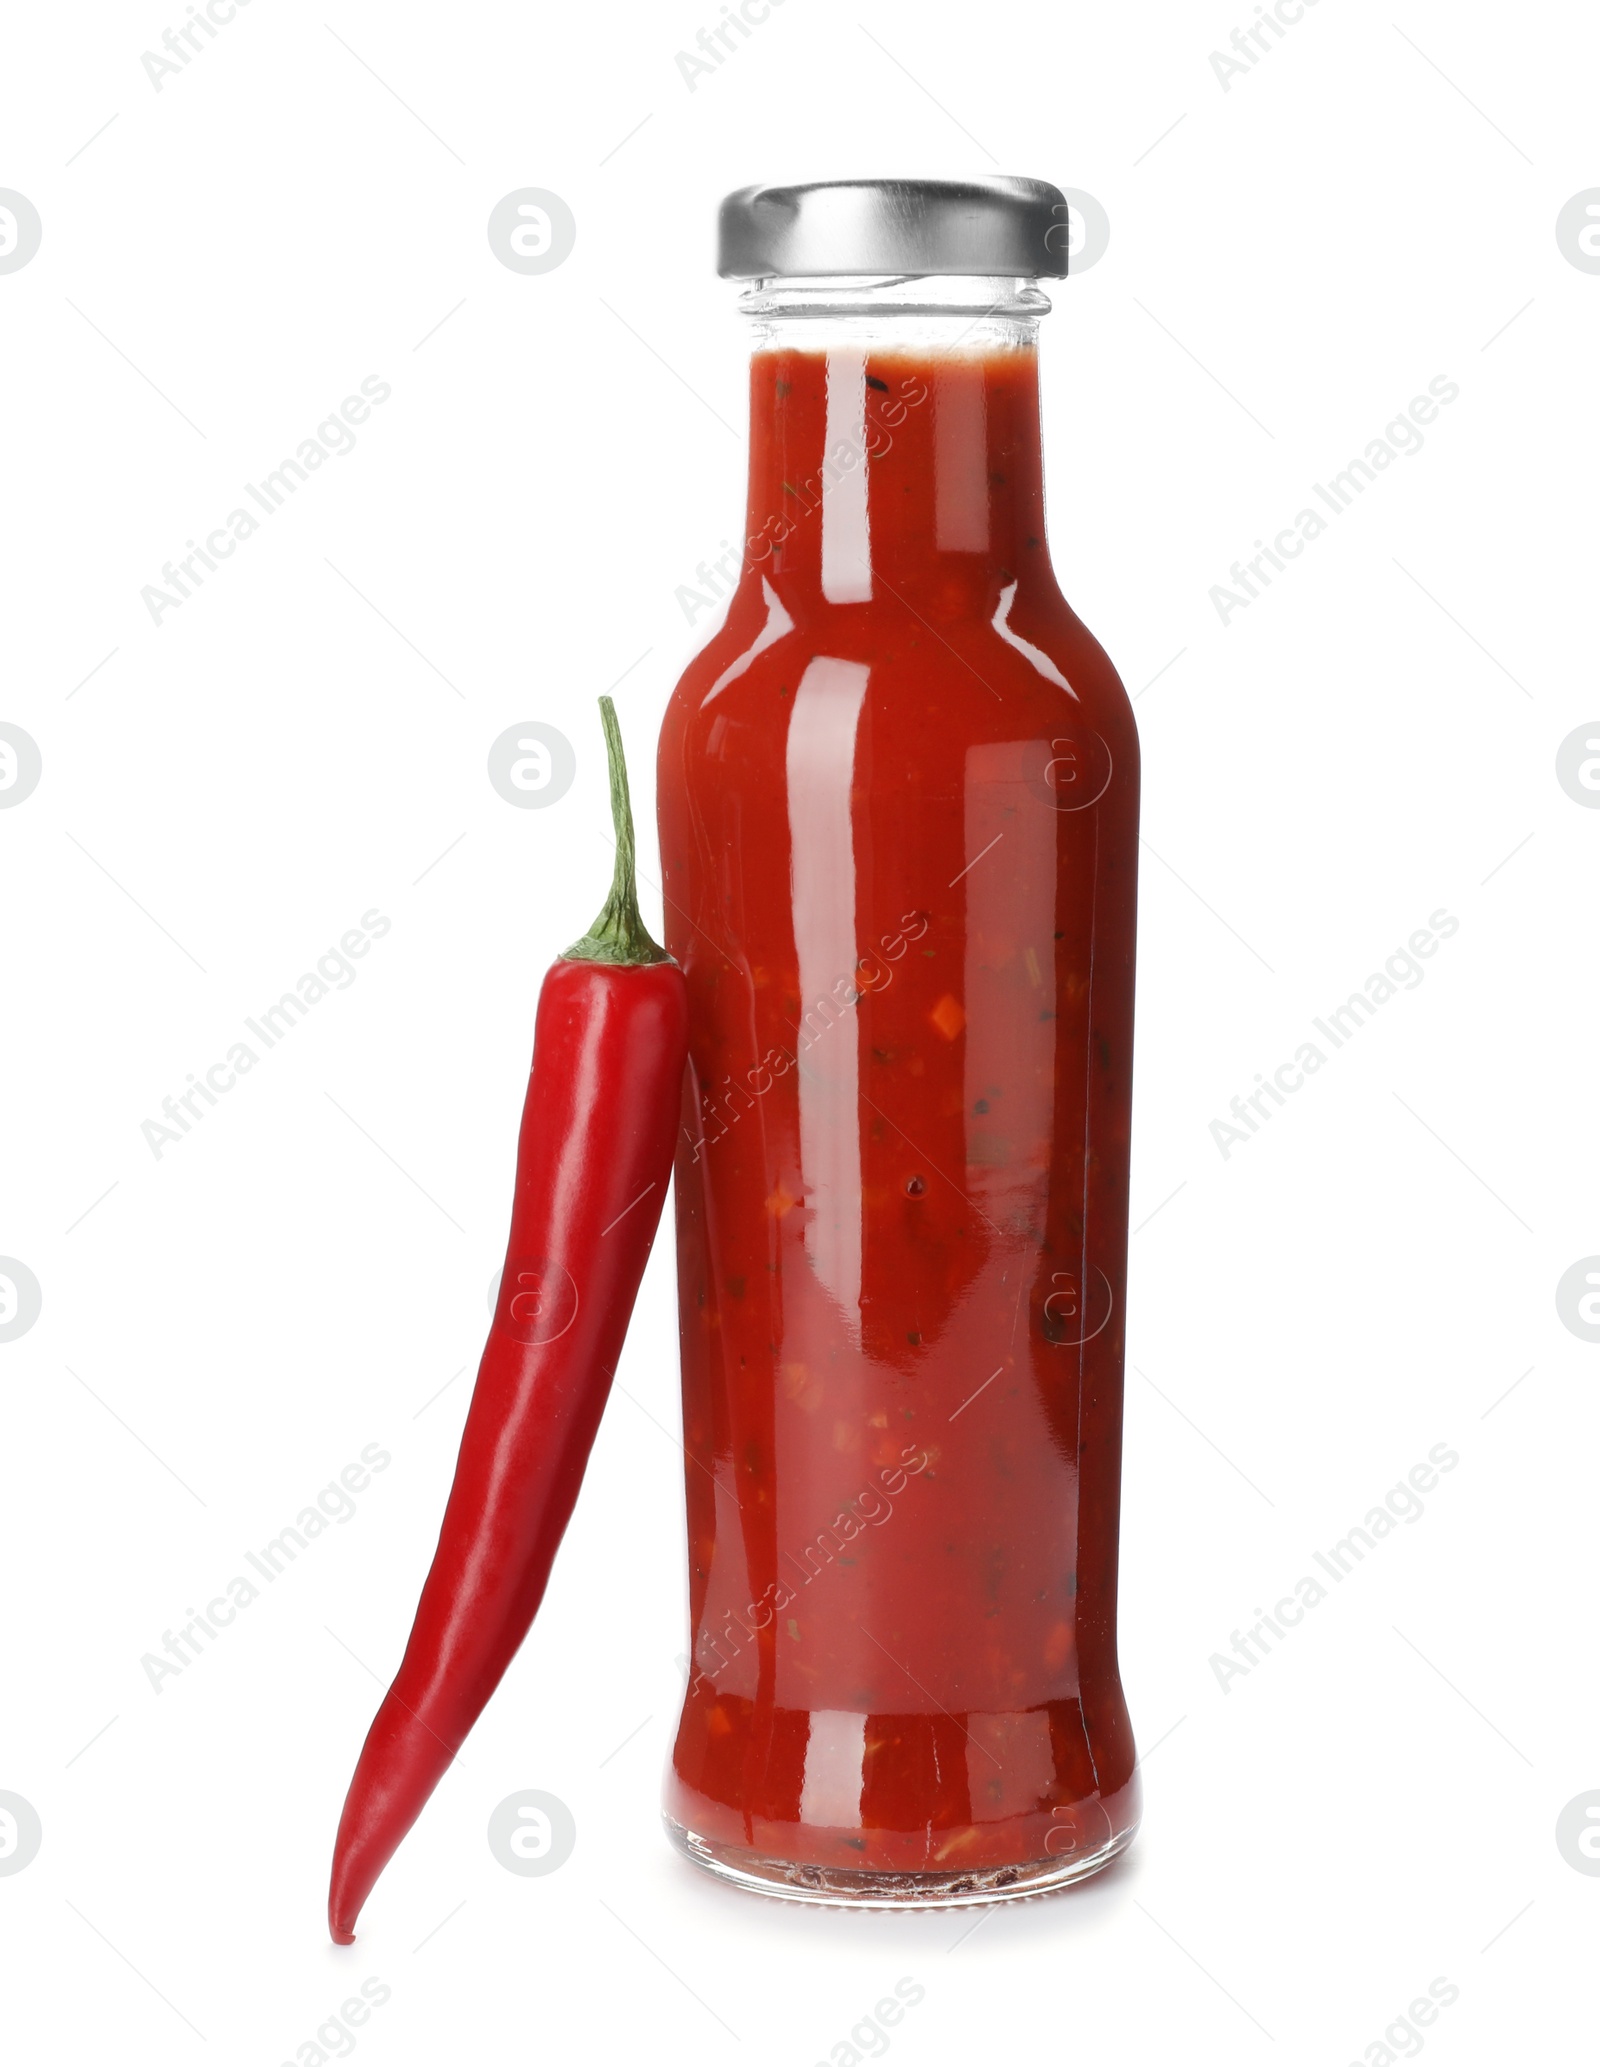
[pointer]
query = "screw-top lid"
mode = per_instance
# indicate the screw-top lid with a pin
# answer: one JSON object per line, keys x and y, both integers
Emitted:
{"x": 1017, "y": 228}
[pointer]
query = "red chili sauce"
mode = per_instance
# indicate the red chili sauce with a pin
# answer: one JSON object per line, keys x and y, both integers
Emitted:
{"x": 898, "y": 809}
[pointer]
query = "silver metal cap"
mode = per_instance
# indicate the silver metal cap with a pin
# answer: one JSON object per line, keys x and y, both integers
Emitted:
{"x": 997, "y": 225}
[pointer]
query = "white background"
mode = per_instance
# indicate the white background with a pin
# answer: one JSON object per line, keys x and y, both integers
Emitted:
{"x": 1292, "y": 258}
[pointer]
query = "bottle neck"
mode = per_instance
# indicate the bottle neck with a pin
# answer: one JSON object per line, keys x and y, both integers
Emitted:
{"x": 894, "y": 443}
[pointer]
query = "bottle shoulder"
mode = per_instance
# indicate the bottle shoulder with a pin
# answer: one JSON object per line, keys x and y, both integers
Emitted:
{"x": 1016, "y": 669}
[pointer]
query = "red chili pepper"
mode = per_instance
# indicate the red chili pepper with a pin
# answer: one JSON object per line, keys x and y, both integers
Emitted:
{"x": 593, "y": 1160}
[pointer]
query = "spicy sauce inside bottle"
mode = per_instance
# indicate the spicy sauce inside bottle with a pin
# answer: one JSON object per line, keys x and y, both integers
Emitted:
{"x": 898, "y": 805}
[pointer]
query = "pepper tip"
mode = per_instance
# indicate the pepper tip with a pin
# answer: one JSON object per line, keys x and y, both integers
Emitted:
{"x": 342, "y": 1913}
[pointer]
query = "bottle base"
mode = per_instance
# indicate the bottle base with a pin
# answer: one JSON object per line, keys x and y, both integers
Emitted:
{"x": 843, "y": 1887}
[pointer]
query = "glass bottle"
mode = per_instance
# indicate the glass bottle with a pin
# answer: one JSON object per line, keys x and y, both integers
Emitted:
{"x": 898, "y": 798}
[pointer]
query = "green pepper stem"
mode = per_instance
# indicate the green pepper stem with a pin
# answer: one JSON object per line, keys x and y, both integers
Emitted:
{"x": 618, "y": 935}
